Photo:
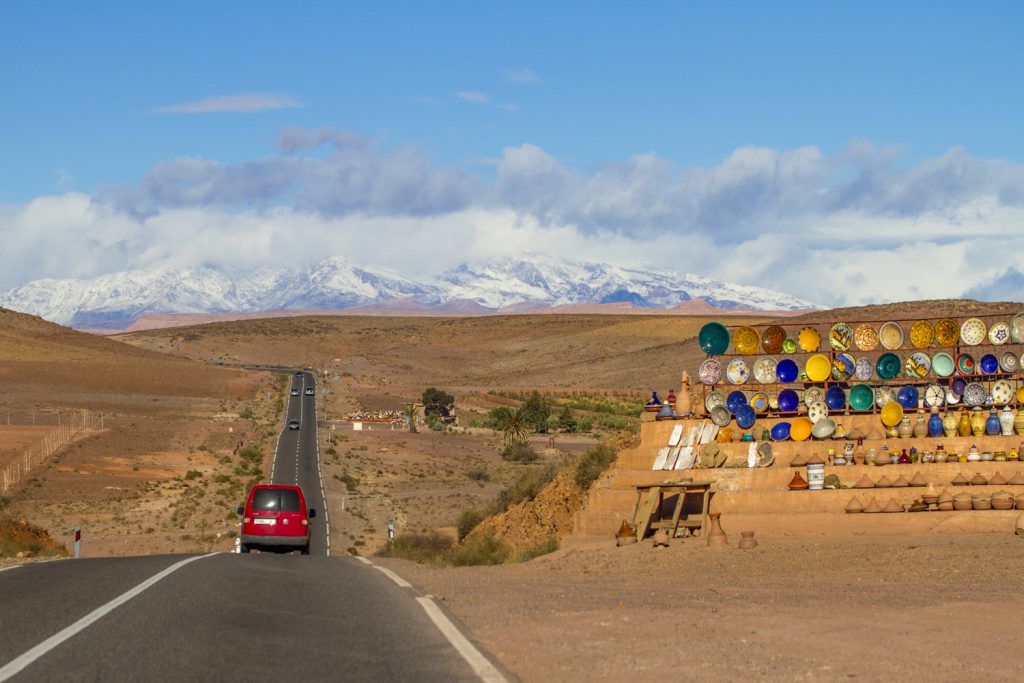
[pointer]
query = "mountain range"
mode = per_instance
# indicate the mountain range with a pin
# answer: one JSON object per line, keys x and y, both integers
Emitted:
{"x": 116, "y": 300}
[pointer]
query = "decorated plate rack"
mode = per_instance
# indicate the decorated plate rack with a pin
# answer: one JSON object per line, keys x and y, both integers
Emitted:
{"x": 858, "y": 367}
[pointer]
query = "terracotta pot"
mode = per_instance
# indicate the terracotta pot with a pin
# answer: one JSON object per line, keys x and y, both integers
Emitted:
{"x": 864, "y": 483}
{"x": 872, "y": 506}
{"x": 978, "y": 480}
{"x": 918, "y": 480}
{"x": 946, "y": 507}
{"x": 747, "y": 540}
{"x": 660, "y": 538}
{"x": 1019, "y": 502}
{"x": 626, "y": 535}
{"x": 962, "y": 504}
{"x": 854, "y": 506}
{"x": 716, "y": 537}
{"x": 797, "y": 483}
{"x": 883, "y": 483}
{"x": 945, "y": 497}
{"x": 960, "y": 480}
{"x": 998, "y": 480}
{"x": 1002, "y": 503}
{"x": 901, "y": 482}
{"x": 1016, "y": 480}
{"x": 982, "y": 503}
{"x": 892, "y": 506}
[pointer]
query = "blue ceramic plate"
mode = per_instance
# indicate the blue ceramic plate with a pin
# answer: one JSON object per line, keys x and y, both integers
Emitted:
{"x": 907, "y": 397}
{"x": 788, "y": 401}
{"x": 736, "y": 400}
{"x": 745, "y": 417}
{"x": 989, "y": 364}
{"x": 958, "y": 385}
{"x": 714, "y": 338}
{"x": 835, "y": 398}
{"x": 888, "y": 365}
{"x": 787, "y": 370}
{"x": 861, "y": 397}
{"x": 780, "y": 432}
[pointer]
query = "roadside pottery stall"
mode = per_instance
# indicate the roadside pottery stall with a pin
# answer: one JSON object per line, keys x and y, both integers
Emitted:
{"x": 809, "y": 429}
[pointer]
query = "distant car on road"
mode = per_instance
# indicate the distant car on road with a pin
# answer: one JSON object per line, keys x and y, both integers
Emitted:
{"x": 275, "y": 519}
{"x": 298, "y": 374}
{"x": 293, "y": 424}
{"x": 310, "y": 391}
{"x": 295, "y": 392}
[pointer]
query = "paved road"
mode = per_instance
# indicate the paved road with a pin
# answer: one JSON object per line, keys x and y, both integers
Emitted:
{"x": 228, "y": 617}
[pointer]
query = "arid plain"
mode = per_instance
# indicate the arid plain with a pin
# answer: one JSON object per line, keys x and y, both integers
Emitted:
{"x": 181, "y": 437}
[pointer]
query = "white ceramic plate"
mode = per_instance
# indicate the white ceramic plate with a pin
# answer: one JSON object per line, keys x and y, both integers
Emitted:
{"x": 1002, "y": 392}
{"x": 865, "y": 369}
{"x": 764, "y": 370}
{"x": 817, "y": 411}
{"x": 713, "y": 400}
{"x": 710, "y": 371}
{"x": 814, "y": 395}
{"x": 975, "y": 394}
{"x": 934, "y": 396}
{"x": 737, "y": 371}
{"x": 999, "y": 333}
{"x": 1017, "y": 328}
{"x": 883, "y": 395}
{"x": 973, "y": 331}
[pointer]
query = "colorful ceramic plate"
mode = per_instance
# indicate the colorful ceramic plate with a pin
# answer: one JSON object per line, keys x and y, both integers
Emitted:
{"x": 1009, "y": 362}
{"x": 737, "y": 371}
{"x": 892, "y": 413}
{"x": 989, "y": 364}
{"x": 710, "y": 371}
{"x": 764, "y": 370}
{"x": 884, "y": 395}
{"x": 759, "y": 401}
{"x": 787, "y": 370}
{"x": 840, "y": 337}
{"x": 907, "y": 397}
{"x": 965, "y": 364}
{"x": 809, "y": 339}
{"x": 865, "y": 369}
{"x": 934, "y": 396}
{"x": 773, "y": 401}
{"x": 888, "y": 365}
{"x": 735, "y": 400}
{"x": 817, "y": 411}
{"x": 788, "y": 346}
{"x": 958, "y": 384}
{"x": 918, "y": 364}
{"x": 861, "y": 397}
{"x": 813, "y": 395}
{"x": 713, "y": 400}
{"x": 772, "y": 339}
{"x": 943, "y": 365}
{"x": 975, "y": 394}
{"x": 843, "y": 367}
{"x": 835, "y": 398}
{"x": 720, "y": 416}
{"x": 866, "y": 337}
{"x": 818, "y": 368}
{"x": 922, "y": 334}
{"x": 947, "y": 332}
{"x": 745, "y": 417}
{"x": 999, "y": 334}
{"x": 972, "y": 331}
{"x": 713, "y": 338}
{"x": 1017, "y": 328}
{"x": 780, "y": 432}
{"x": 788, "y": 401}
{"x": 1002, "y": 392}
{"x": 890, "y": 335}
{"x": 746, "y": 340}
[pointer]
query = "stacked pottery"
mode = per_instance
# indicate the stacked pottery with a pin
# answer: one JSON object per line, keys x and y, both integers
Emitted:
{"x": 963, "y": 501}
{"x": 981, "y": 501}
{"x": 949, "y": 423}
{"x": 945, "y": 501}
{"x": 992, "y": 424}
{"x": 1001, "y": 500}
{"x": 1006, "y": 419}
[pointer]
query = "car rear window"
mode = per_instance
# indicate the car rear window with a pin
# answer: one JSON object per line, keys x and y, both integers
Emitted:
{"x": 276, "y": 500}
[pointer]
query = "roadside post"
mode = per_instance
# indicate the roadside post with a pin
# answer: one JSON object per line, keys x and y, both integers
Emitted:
{"x": 78, "y": 542}
{"x": 391, "y": 533}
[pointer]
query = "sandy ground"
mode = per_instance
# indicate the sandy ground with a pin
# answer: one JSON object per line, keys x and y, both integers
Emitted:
{"x": 897, "y": 608}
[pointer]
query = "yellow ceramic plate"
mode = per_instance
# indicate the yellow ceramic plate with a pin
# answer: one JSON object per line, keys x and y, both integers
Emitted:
{"x": 891, "y": 336}
{"x": 922, "y": 334}
{"x": 947, "y": 332}
{"x": 892, "y": 413}
{"x": 866, "y": 337}
{"x": 818, "y": 368}
{"x": 746, "y": 340}
{"x": 1020, "y": 395}
{"x": 800, "y": 429}
{"x": 809, "y": 339}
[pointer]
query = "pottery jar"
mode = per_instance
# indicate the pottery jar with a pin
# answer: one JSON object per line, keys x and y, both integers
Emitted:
{"x": 963, "y": 427}
{"x": 949, "y": 424}
{"x": 977, "y": 422}
{"x": 1006, "y": 418}
{"x": 935, "y": 425}
{"x": 920, "y": 427}
{"x": 905, "y": 429}
{"x": 992, "y": 425}
{"x": 1018, "y": 422}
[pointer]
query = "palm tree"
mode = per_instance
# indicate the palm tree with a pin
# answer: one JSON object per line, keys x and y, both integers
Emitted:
{"x": 513, "y": 424}
{"x": 409, "y": 412}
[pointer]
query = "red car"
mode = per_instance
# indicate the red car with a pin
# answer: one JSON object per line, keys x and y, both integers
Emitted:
{"x": 275, "y": 518}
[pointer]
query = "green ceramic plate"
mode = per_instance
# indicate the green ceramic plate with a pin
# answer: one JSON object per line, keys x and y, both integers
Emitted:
{"x": 861, "y": 397}
{"x": 888, "y": 366}
{"x": 714, "y": 338}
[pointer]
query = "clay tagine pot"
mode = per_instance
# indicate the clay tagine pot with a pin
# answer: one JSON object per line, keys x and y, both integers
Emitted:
{"x": 892, "y": 506}
{"x": 960, "y": 480}
{"x": 883, "y": 483}
{"x": 978, "y": 480}
{"x": 998, "y": 480}
{"x": 854, "y": 506}
{"x": 864, "y": 482}
{"x": 900, "y": 482}
{"x": 797, "y": 483}
{"x": 872, "y": 506}
{"x": 1016, "y": 480}
{"x": 918, "y": 480}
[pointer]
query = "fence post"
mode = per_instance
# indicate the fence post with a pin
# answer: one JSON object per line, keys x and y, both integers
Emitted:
{"x": 78, "y": 542}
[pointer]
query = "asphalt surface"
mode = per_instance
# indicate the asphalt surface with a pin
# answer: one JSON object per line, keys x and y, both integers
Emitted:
{"x": 231, "y": 617}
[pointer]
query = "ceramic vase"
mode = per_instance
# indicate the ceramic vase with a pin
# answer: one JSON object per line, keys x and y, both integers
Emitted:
{"x": 905, "y": 429}
{"x": 748, "y": 542}
{"x": 992, "y": 424}
{"x": 1006, "y": 420}
{"x": 936, "y": 426}
{"x": 977, "y": 422}
{"x": 920, "y": 427}
{"x": 963, "y": 427}
{"x": 716, "y": 537}
{"x": 1018, "y": 422}
{"x": 949, "y": 424}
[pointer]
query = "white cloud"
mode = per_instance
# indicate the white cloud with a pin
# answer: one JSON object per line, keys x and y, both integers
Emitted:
{"x": 473, "y": 96}
{"x": 244, "y": 103}
{"x": 521, "y": 76}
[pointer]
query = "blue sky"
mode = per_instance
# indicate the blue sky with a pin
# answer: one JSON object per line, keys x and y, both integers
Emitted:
{"x": 725, "y": 139}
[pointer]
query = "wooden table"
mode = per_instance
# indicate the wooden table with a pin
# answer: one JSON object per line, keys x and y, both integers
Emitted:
{"x": 649, "y": 499}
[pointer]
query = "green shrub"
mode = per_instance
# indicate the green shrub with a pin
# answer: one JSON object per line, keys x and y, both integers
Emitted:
{"x": 193, "y": 474}
{"x": 430, "y": 548}
{"x": 593, "y": 464}
{"x": 518, "y": 451}
{"x": 469, "y": 520}
{"x": 543, "y": 549}
{"x": 481, "y": 550}
{"x": 526, "y": 487}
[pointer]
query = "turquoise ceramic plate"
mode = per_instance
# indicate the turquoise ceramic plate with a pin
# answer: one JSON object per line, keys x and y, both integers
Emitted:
{"x": 714, "y": 338}
{"x": 888, "y": 365}
{"x": 942, "y": 364}
{"x": 861, "y": 397}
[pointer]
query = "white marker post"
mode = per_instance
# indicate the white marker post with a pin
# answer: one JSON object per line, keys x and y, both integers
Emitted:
{"x": 78, "y": 542}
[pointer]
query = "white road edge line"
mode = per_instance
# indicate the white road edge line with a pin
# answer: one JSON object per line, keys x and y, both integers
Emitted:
{"x": 402, "y": 583}
{"x": 364, "y": 560}
{"x": 481, "y": 666}
{"x": 13, "y": 566}
{"x": 16, "y": 665}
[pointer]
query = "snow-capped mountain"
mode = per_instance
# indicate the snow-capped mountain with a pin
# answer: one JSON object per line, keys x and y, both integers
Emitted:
{"x": 113, "y": 301}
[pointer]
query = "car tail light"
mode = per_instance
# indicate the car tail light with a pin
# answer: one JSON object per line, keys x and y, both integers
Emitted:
{"x": 245, "y": 520}
{"x": 305, "y": 522}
